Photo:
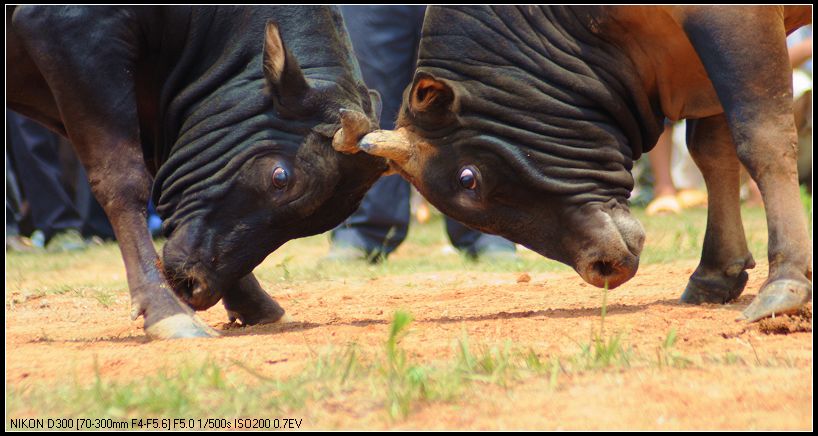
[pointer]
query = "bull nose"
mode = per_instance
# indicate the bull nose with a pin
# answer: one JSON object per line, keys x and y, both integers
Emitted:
{"x": 612, "y": 256}
{"x": 608, "y": 273}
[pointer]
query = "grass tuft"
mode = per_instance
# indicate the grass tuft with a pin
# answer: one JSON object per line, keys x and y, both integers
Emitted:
{"x": 667, "y": 357}
{"x": 601, "y": 351}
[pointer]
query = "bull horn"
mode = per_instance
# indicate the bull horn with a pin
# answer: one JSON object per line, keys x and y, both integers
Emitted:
{"x": 354, "y": 125}
{"x": 391, "y": 144}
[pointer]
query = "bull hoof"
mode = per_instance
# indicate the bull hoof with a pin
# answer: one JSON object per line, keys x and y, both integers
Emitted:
{"x": 778, "y": 297}
{"x": 250, "y": 304}
{"x": 715, "y": 289}
{"x": 270, "y": 316}
{"x": 179, "y": 326}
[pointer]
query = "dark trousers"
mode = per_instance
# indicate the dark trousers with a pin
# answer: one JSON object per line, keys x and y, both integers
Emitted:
{"x": 13, "y": 202}
{"x": 35, "y": 155}
{"x": 385, "y": 40}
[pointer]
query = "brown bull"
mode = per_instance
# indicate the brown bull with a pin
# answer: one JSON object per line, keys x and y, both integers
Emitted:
{"x": 525, "y": 122}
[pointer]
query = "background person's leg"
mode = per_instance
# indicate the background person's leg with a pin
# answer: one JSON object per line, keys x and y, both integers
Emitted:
{"x": 14, "y": 241}
{"x": 36, "y": 158}
{"x": 385, "y": 40}
{"x": 664, "y": 192}
{"x": 381, "y": 223}
{"x": 13, "y": 201}
{"x": 690, "y": 186}
{"x": 476, "y": 244}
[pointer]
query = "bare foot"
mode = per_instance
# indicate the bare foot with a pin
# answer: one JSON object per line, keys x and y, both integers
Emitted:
{"x": 691, "y": 198}
{"x": 663, "y": 205}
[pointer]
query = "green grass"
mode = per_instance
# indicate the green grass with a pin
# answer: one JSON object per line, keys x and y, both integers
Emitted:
{"x": 603, "y": 351}
{"x": 669, "y": 238}
{"x": 397, "y": 385}
{"x": 667, "y": 356}
{"x": 96, "y": 273}
{"x": 391, "y": 384}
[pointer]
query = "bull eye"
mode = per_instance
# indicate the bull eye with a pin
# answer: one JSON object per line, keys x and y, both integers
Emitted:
{"x": 468, "y": 179}
{"x": 280, "y": 178}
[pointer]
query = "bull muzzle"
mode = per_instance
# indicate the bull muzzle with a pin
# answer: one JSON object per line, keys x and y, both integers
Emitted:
{"x": 611, "y": 254}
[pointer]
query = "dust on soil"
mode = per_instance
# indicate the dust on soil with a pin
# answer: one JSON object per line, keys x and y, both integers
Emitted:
{"x": 800, "y": 321}
{"x": 766, "y": 383}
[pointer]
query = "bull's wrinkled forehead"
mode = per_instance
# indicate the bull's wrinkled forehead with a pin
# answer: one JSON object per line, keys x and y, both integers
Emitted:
{"x": 539, "y": 65}
{"x": 515, "y": 147}
{"x": 530, "y": 92}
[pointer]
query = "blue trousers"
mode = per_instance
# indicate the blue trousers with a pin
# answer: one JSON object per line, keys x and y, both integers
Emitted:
{"x": 34, "y": 152}
{"x": 385, "y": 40}
{"x": 13, "y": 202}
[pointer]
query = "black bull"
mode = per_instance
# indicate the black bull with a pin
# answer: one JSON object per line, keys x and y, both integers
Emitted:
{"x": 232, "y": 110}
{"x": 525, "y": 122}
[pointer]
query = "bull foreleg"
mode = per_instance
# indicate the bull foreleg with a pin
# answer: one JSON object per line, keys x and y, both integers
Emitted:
{"x": 123, "y": 193}
{"x": 92, "y": 84}
{"x": 745, "y": 55}
{"x": 720, "y": 276}
{"x": 250, "y": 304}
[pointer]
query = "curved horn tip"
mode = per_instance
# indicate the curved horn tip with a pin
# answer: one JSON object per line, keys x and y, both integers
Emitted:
{"x": 340, "y": 144}
{"x": 354, "y": 118}
{"x": 391, "y": 144}
{"x": 354, "y": 125}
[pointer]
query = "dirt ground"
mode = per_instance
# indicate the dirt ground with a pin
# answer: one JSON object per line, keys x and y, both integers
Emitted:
{"x": 765, "y": 382}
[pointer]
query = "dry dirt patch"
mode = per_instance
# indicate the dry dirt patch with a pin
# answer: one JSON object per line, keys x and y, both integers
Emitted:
{"x": 742, "y": 377}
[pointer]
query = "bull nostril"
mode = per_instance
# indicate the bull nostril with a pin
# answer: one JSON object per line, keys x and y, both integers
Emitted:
{"x": 603, "y": 268}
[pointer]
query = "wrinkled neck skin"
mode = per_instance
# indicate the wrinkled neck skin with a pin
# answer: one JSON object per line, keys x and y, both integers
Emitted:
{"x": 537, "y": 85}
{"x": 216, "y": 111}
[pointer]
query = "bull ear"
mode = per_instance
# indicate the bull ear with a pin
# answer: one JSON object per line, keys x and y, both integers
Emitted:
{"x": 281, "y": 69}
{"x": 431, "y": 96}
